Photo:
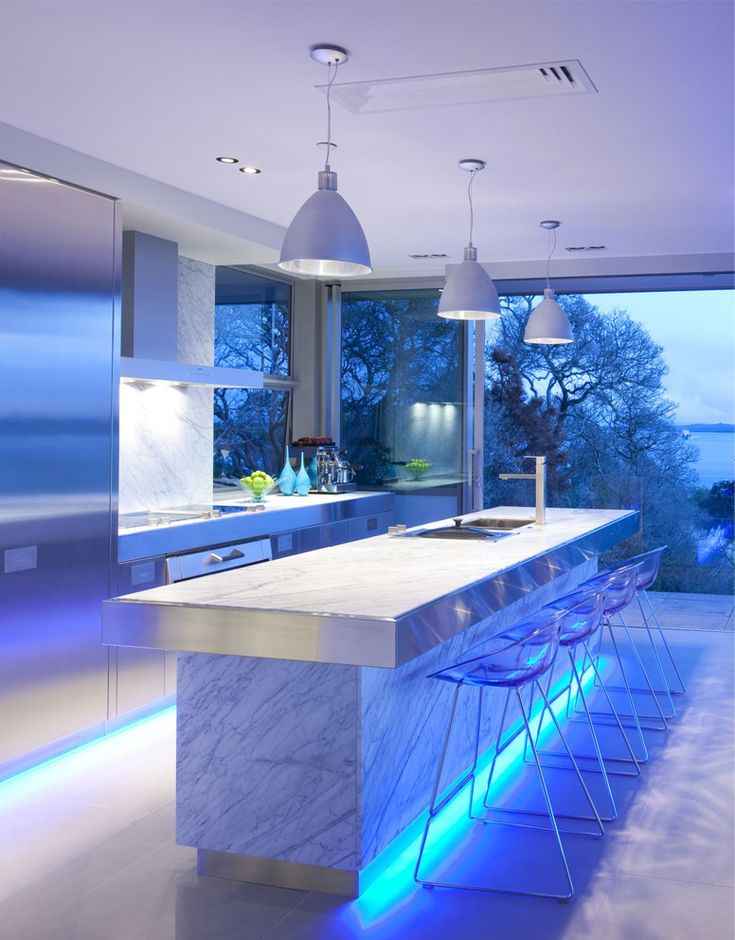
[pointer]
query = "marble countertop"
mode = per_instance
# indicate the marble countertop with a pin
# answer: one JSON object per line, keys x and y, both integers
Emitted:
{"x": 370, "y": 588}
{"x": 281, "y": 513}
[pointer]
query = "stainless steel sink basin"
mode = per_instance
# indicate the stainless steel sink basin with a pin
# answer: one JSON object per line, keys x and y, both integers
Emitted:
{"x": 488, "y": 522}
{"x": 463, "y": 533}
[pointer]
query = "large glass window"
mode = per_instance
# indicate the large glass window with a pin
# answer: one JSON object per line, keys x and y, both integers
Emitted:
{"x": 252, "y": 318}
{"x": 402, "y": 411}
{"x": 637, "y": 412}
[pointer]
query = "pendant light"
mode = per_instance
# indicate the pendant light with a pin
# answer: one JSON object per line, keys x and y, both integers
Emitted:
{"x": 469, "y": 294}
{"x": 325, "y": 238}
{"x": 548, "y": 322}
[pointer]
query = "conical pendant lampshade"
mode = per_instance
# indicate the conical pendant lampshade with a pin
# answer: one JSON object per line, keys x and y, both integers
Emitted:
{"x": 469, "y": 293}
{"x": 548, "y": 323}
{"x": 325, "y": 238}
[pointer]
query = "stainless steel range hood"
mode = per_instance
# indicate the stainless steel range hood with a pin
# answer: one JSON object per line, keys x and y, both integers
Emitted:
{"x": 162, "y": 372}
{"x": 150, "y": 322}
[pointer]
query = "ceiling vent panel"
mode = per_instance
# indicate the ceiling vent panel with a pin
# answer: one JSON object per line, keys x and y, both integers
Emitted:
{"x": 455, "y": 88}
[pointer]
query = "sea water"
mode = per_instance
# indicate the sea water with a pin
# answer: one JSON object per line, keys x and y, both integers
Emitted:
{"x": 716, "y": 456}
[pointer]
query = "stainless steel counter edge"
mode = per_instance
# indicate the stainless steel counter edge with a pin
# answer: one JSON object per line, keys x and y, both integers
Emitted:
{"x": 231, "y": 527}
{"x": 348, "y": 640}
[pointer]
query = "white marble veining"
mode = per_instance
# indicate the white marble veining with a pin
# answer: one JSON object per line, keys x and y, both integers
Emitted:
{"x": 382, "y": 577}
{"x": 166, "y": 432}
{"x": 322, "y": 764}
{"x": 267, "y": 755}
{"x": 195, "y": 329}
{"x": 165, "y": 446}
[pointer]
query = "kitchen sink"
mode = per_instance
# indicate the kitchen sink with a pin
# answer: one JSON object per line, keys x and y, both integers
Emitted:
{"x": 487, "y": 522}
{"x": 463, "y": 533}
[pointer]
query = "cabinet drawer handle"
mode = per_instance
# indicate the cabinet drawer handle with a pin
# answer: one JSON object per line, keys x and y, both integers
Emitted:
{"x": 215, "y": 559}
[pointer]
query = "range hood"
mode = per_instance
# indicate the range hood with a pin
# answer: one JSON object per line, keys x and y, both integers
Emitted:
{"x": 163, "y": 372}
{"x": 150, "y": 322}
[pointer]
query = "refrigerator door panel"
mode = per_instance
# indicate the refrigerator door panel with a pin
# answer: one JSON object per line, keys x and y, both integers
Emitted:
{"x": 59, "y": 304}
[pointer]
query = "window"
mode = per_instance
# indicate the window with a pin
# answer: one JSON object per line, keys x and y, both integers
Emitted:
{"x": 637, "y": 413}
{"x": 252, "y": 331}
{"x": 402, "y": 391}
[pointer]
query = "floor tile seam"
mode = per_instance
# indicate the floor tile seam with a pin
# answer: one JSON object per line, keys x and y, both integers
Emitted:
{"x": 592, "y": 933}
{"x": 288, "y": 913}
{"x": 674, "y": 881}
{"x": 119, "y": 873}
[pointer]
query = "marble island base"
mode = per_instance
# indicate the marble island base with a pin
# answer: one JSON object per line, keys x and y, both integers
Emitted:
{"x": 300, "y": 774}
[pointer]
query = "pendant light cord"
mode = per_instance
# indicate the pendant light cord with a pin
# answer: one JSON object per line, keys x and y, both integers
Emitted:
{"x": 330, "y": 81}
{"x": 552, "y": 249}
{"x": 473, "y": 174}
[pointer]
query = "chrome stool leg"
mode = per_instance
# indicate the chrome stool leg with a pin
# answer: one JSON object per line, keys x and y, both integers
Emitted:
{"x": 650, "y": 690}
{"x": 435, "y": 808}
{"x": 634, "y": 715}
{"x": 682, "y": 688}
{"x": 615, "y": 717}
{"x": 595, "y": 817}
{"x": 598, "y": 759}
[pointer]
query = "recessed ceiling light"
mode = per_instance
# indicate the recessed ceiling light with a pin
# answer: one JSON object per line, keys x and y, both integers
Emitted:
{"x": 250, "y": 170}
{"x": 227, "y": 160}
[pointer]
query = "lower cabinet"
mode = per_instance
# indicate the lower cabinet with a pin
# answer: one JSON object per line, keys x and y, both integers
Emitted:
{"x": 334, "y": 533}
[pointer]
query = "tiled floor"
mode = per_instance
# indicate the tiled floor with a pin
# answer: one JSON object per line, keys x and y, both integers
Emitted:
{"x": 87, "y": 852}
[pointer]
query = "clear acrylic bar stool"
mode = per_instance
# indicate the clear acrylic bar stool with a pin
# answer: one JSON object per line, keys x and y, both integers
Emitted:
{"x": 583, "y": 610}
{"x": 649, "y": 564}
{"x": 620, "y": 587}
{"x": 519, "y": 657}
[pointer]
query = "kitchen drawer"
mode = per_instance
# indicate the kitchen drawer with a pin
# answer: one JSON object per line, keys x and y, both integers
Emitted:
{"x": 212, "y": 560}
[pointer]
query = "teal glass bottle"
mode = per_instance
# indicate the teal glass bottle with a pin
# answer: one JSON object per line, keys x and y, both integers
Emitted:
{"x": 303, "y": 483}
{"x": 287, "y": 480}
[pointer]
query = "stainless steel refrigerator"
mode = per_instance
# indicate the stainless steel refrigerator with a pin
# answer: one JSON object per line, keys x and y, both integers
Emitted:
{"x": 59, "y": 335}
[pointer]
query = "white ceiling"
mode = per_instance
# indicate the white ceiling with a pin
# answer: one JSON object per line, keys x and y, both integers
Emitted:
{"x": 160, "y": 88}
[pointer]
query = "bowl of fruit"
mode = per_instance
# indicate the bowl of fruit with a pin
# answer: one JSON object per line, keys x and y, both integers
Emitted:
{"x": 417, "y": 467}
{"x": 258, "y": 484}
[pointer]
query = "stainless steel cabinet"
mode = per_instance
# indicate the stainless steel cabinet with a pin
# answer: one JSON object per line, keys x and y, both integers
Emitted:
{"x": 59, "y": 305}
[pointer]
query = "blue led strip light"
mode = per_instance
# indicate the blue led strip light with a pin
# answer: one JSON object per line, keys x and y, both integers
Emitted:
{"x": 393, "y": 888}
{"x": 45, "y": 772}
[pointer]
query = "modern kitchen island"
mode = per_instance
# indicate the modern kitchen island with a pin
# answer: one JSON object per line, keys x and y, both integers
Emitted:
{"x": 307, "y": 730}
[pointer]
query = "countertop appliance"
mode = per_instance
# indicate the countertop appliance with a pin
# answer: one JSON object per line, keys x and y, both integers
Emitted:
{"x": 333, "y": 474}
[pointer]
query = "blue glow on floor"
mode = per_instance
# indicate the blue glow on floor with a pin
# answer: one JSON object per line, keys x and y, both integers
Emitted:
{"x": 47, "y": 772}
{"x": 394, "y": 889}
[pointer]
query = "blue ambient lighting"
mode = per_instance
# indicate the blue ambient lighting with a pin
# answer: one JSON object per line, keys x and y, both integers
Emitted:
{"x": 394, "y": 888}
{"x": 47, "y": 772}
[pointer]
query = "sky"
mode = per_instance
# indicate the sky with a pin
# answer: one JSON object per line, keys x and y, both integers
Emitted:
{"x": 697, "y": 332}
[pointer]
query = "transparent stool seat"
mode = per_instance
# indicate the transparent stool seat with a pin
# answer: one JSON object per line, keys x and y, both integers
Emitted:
{"x": 516, "y": 656}
{"x": 648, "y": 565}
{"x": 582, "y": 611}
{"x": 619, "y": 585}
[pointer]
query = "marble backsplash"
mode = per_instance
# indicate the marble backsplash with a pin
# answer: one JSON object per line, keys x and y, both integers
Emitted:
{"x": 165, "y": 431}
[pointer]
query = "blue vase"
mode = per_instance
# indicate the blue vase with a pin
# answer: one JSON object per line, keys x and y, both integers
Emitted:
{"x": 312, "y": 471}
{"x": 303, "y": 483}
{"x": 287, "y": 480}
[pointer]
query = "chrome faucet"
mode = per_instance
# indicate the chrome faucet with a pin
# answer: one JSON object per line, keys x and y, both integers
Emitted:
{"x": 540, "y": 477}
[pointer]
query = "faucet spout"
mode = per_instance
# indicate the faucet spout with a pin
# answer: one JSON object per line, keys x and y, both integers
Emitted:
{"x": 540, "y": 477}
